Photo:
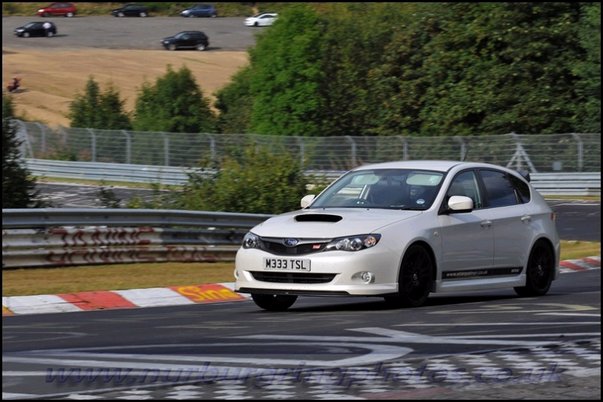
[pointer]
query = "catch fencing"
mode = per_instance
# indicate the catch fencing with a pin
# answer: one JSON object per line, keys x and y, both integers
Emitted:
{"x": 534, "y": 152}
{"x": 50, "y": 237}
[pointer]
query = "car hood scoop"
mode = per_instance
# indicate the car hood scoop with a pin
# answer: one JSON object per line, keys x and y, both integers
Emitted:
{"x": 337, "y": 222}
{"x": 318, "y": 218}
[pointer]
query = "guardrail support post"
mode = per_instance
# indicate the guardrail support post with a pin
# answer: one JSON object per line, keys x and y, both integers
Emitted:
{"x": 166, "y": 150}
{"x": 352, "y": 150}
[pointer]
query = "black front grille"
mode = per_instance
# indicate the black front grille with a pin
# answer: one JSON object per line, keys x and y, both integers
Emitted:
{"x": 287, "y": 277}
{"x": 280, "y": 249}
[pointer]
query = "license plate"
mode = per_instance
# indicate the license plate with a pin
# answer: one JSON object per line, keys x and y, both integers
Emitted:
{"x": 287, "y": 264}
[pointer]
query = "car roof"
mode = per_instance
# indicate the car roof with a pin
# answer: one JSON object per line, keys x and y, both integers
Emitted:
{"x": 436, "y": 165}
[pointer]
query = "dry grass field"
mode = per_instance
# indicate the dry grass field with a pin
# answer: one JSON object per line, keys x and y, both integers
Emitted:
{"x": 52, "y": 78}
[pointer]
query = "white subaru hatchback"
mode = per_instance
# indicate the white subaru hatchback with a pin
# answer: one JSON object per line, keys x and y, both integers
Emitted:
{"x": 401, "y": 230}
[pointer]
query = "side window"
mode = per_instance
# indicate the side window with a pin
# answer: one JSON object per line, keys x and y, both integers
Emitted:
{"x": 465, "y": 184}
{"x": 499, "y": 189}
{"x": 522, "y": 189}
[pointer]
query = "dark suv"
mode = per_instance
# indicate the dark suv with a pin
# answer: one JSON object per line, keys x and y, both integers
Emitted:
{"x": 186, "y": 40}
{"x": 131, "y": 10}
{"x": 200, "y": 10}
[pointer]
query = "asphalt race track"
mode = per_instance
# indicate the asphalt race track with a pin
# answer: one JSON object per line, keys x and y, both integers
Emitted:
{"x": 348, "y": 347}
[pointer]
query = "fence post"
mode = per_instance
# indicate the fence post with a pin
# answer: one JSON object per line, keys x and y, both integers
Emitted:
{"x": 461, "y": 141}
{"x": 92, "y": 143}
{"x": 352, "y": 149}
{"x": 404, "y": 147}
{"x": 128, "y": 146}
{"x": 301, "y": 151}
{"x": 23, "y": 135}
{"x": 166, "y": 149}
{"x": 580, "y": 155}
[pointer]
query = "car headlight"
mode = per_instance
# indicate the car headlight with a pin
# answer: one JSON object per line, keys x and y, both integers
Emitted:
{"x": 354, "y": 243}
{"x": 251, "y": 241}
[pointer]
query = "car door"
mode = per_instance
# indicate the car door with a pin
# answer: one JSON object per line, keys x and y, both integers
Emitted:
{"x": 510, "y": 221}
{"x": 467, "y": 238}
{"x": 37, "y": 29}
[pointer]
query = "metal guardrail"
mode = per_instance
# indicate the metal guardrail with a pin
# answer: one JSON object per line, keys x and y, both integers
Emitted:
{"x": 575, "y": 183}
{"x": 50, "y": 237}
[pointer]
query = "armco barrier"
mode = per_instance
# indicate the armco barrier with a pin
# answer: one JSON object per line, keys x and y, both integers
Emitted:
{"x": 72, "y": 236}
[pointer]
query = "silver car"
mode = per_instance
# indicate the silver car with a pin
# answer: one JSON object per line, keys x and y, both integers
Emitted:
{"x": 402, "y": 230}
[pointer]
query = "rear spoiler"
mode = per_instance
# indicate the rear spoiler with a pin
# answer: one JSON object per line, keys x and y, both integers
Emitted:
{"x": 525, "y": 174}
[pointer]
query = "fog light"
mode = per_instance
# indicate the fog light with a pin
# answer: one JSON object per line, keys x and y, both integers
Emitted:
{"x": 365, "y": 277}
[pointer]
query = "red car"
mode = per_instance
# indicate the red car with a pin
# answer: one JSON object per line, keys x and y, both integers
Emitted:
{"x": 54, "y": 9}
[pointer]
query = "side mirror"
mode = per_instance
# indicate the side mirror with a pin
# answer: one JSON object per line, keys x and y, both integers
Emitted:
{"x": 307, "y": 200}
{"x": 460, "y": 203}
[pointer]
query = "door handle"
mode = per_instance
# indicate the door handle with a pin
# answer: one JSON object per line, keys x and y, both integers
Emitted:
{"x": 526, "y": 219}
{"x": 486, "y": 224}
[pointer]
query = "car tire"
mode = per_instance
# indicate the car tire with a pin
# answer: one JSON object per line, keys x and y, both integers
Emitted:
{"x": 415, "y": 279}
{"x": 69, "y": 15}
{"x": 539, "y": 272}
{"x": 171, "y": 46}
{"x": 45, "y": 15}
{"x": 273, "y": 302}
{"x": 143, "y": 14}
{"x": 49, "y": 34}
{"x": 256, "y": 24}
{"x": 26, "y": 34}
{"x": 201, "y": 47}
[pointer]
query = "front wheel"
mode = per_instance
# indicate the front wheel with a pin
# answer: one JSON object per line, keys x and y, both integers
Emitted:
{"x": 539, "y": 272}
{"x": 274, "y": 302}
{"x": 415, "y": 279}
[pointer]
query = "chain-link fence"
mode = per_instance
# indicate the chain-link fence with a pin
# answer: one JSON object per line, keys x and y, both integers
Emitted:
{"x": 536, "y": 153}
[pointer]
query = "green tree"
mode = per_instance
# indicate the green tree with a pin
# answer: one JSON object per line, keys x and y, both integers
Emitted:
{"x": 18, "y": 189}
{"x": 287, "y": 74}
{"x": 96, "y": 109}
{"x": 588, "y": 117}
{"x": 175, "y": 103}
{"x": 234, "y": 103}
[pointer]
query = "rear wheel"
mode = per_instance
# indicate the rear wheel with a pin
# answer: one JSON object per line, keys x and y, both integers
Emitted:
{"x": 201, "y": 47}
{"x": 539, "y": 272}
{"x": 49, "y": 34}
{"x": 143, "y": 14}
{"x": 69, "y": 15}
{"x": 415, "y": 279}
{"x": 274, "y": 302}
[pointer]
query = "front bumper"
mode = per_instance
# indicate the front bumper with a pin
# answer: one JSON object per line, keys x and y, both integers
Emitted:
{"x": 340, "y": 270}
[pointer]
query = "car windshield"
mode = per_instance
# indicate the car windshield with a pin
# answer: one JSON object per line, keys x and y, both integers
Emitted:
{"x": 382, "y": 188}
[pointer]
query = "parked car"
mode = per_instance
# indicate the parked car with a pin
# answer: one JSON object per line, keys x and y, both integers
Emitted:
{"x": 58, "y": 9}
{"x": 37, "y": 28}
{"x": 402, "y": 230}
{"x": 186, "y": 40}
{"x": 131, "y": 10}
{"x": 200, "y": 10}
{"x": 261, "y": 20}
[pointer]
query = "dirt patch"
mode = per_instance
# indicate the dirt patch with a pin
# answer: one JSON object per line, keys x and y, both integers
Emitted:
{"x": 52, "y": 78}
